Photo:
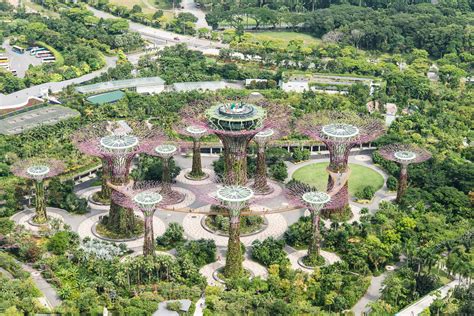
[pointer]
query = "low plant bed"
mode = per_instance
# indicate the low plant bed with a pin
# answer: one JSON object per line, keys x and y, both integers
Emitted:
{"x": 315, "y": 262}
{"x": 219, "y": 276}
{"x": 105, "y": 233}
{"x": 98, "y": 199}
{"x": 249, "y": 225}
{"x": 339, "y": 216}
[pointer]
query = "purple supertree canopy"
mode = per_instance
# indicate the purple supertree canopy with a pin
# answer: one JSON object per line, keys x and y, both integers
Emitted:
{"x": 90, "y": 139}
{"x": 404, "y": 153}
{"x": 125, "y": 195}
{"x": 38, "y": 168}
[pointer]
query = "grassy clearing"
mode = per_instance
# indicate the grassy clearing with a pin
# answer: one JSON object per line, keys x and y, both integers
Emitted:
{"x": 316, "y": 175}
{"x": 285, "y": 37}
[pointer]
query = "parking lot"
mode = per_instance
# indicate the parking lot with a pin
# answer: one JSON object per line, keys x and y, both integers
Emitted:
{"x": 19, "y": 62}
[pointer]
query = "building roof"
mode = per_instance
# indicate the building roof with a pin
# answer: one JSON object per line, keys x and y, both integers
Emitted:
{"x": 107, "y": 97}
{"x": 121, "y": 84}
{"x": 199, "y": 85}
{"x": 48, "y": 115}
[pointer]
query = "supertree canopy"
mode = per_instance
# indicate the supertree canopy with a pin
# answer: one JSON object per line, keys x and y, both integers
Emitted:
{"x": 196, "y": 133}
{"x": 38, "y": 169}
{"x": 404, "y": 154}
{"x": 340, "y": 132}
{"x": 306, "y": 196}
{"x": 117, "y": 143}
{"x": 235, "y": 123}
{"x": 144, "y": 197}
{"x": 165, "y": 152}
{"x": 235, "y": 199}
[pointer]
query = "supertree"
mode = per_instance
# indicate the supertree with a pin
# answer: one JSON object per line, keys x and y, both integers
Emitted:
{"x": 340, "y": 132}
{"x": 38, "y": 169}
{"x": 306, "y": 196}
{"x": 404, "y": 154}
{"x": 235, "y": 123}
{"x": 117, "y": 143}
{"x": 165, "y": 152}
{"x": 144, "y": 197}
{"x": 196, "y": 133}
{"x": 235, "y": 199}
{"x": 262, "y": 139}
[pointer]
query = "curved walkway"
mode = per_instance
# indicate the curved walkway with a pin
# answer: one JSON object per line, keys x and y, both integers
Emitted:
{"x": 277, "y": 226}
{"x": 207, "y": 271}
{"x": 294, "y": 256}
{"x": 51, "y": 298}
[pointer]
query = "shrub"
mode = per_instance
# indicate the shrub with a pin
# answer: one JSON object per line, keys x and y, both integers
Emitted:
{"x": 299, "y": 233}
{"x": 367, "y": 193}
{"x": 201, "y": 252}
{"x": 279, "y": 171}
{"x": 174, "y": 306}
{"x": 392, "y": 183}
{"x": 301, "y": 154}
{"x": 6, "y": 226}
{"x": 173, "y": 236}
{"x": 269, "y": 252}
{"x": 59, "y": 242}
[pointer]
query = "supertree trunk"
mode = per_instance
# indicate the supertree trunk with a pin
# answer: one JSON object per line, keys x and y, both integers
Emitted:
{"x": 105, "y": 190}
{"x": 402, "y": 182}
{"x": 261, "y": 172}
{"x": 41, "y": 216}
{"x": 149, "y": 240}
{"x": 121, "y": 220}
{"x": 166, "y": 176}
{"x": 342, "y": 195}
{"x": 233, "y": 264}
{"x": 235, "y": 159}
{"x": 314, "y": 244}
{"x": 196, "y": 170}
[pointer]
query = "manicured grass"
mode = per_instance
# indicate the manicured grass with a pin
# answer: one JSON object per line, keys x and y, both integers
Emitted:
{"x": 316, "y": 175}
{"x": 148, "y": 6}
{"x": 285, "y": 37}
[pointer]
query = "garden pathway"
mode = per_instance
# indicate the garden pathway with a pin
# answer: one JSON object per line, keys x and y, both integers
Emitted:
{"x": 373, "y": 293}
{"x": 51, "y": 296}
{"x": 295, "y": 255}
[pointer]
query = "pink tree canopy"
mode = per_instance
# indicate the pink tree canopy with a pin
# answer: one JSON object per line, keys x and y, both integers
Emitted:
{"x": 38, "y": 168}
{"x": 404, "y": 153}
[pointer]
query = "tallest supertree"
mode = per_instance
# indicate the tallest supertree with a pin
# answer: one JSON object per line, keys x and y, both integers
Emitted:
{"x": 340, "y": 132}
{"x": 235, "y": 123}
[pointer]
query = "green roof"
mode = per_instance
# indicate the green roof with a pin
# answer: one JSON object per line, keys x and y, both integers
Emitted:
{"x": 120, "y": 84}
{"x": 108, "y": 97}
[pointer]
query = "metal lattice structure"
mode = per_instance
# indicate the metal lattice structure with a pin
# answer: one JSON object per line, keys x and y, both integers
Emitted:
{"x": 117, "y": 143}
{"x": 235, "y": 199}
{"x": 38, "y": 169}
{"x": 196, "y": 133}
{"x": 404, "y": 154}
{"x": 165, "y": 152}
{"x": 145, "y": 197}
{"x": 306, "y": 196}
{"x": 235, "y": 123}
{"x": 340, "y": 132}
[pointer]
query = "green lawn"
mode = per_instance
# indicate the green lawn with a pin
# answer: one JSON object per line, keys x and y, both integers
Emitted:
{"x": 285, "y": 37}
{"x": 316, "y": 175}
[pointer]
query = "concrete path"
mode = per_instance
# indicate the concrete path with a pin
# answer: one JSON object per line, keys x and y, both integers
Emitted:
{"x": 373, "y": 293}
{"x": 200, "y": 305}
{"x": 190, "y": 7}
{"x": 419, "y": 306}
{"x": 51, "y": 297}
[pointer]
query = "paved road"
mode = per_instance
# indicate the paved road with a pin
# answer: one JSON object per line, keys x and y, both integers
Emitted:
{"x": 190, "y": 7}
{"x": 20, "y": 98}
{"x": 162, "y": 38}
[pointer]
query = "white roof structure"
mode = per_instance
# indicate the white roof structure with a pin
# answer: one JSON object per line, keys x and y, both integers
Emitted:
{"x": 199, "y": 85}
{"x": 121, "y": 84}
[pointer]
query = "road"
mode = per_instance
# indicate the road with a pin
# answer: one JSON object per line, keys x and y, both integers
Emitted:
{"x": 161, "y": 37}
{"x": 190, "y": 7}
